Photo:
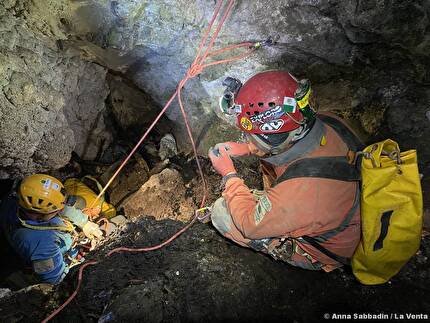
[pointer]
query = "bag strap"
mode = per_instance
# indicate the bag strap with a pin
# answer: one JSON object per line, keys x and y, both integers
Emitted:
{"x": 99, "y": 187}
{"x": 351, "y": 140}
{"x": 336, "y": 168}
{"x": 310, "y": 240}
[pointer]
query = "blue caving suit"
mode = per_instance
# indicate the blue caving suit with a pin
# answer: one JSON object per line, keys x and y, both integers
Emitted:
{"x": 47, "y": 250}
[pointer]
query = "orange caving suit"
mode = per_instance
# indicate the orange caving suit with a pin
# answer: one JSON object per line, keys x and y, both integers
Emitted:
{"x": 297, "y": 207}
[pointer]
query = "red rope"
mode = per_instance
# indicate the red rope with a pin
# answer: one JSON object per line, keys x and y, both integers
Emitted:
{"x": 58, "y": 310}
{"x": 196, "y": 68}
{"x": 177, "y": 234}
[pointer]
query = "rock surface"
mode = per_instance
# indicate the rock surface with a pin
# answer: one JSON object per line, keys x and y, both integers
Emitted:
{"x": 362, "y": 57}
{"x": 128, "y": 181}
{"x": 168, "y": 147}
{"x": 369, "y": 60}
{"x": 133, "y": 110}
{"x": 51, "y": 102}
{"x": 155, "y": 198}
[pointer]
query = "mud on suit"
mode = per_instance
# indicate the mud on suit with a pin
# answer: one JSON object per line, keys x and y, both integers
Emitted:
{"x": 318, "y": 207}
{"x": 47, "y": 251}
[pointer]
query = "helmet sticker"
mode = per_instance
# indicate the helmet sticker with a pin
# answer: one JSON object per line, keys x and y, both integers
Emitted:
{"x": 264, "y": 205}
{"x": 272, "y": 126}
{"x": 46, "y": 183}
{"x": 55, "y": 186}
{"x": 289, "y": 104}
{"x": 246, "y": 124}
{"x": 273, "y": 113}
{"x": 238, "y": 108}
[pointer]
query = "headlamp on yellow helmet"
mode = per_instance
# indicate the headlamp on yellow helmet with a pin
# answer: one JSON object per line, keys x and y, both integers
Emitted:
{"x": 42, "y": 194}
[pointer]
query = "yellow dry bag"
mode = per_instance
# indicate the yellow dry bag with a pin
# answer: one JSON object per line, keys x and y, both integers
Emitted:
{"x": 75, "y": 187}
{"x": 391, "y": 212}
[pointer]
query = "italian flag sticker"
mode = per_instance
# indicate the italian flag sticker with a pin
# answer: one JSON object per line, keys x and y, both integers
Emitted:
{"x": 289, "y": 104}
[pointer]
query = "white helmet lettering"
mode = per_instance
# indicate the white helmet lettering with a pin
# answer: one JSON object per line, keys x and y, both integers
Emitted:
{"x": 272, "y": 126}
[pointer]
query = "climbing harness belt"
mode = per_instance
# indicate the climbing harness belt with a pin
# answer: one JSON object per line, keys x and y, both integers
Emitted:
{"x": 68, "y": 227}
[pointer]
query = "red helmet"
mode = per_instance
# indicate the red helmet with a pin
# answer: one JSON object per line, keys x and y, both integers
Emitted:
{"x": 265, "y": 104}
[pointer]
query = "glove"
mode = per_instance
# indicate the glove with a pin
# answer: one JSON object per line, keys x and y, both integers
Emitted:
{"x": 92, "y": 230}
{"x": 221, "y": 161}
{"x": 92, "y": 212}
{"x": 235, "y": 149}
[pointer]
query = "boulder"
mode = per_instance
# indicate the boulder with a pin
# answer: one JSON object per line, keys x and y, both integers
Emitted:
{"x": 163, "y": 196}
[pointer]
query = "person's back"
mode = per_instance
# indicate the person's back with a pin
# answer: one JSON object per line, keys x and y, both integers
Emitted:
{"x": 302, "y": 206}
{"x": 43, "y": 250}
{"x": 40, "y": 227}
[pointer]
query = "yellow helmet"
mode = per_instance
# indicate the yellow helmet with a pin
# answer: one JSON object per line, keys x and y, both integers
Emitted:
{"x": 41, "y": 193}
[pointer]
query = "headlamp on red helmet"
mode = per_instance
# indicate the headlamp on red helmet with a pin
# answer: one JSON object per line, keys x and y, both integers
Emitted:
{"x": 226, "y": 103}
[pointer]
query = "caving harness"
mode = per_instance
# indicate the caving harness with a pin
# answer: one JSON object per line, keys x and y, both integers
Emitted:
{"x": 67, "y": 227}
{"x": 80, "y": 245}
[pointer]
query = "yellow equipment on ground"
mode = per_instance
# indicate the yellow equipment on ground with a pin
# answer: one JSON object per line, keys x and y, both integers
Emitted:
{"x": 391, "y": 212}
{"x": 76, "y": 187}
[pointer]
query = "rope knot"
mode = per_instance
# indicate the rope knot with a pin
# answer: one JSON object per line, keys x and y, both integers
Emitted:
{"x": 194, "y": 70}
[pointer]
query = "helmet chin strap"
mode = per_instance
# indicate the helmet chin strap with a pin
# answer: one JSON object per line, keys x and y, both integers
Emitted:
{"x": 293, "y": 136}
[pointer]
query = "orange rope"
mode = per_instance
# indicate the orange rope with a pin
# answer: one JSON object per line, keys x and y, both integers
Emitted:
{"x": 205, "y": 37}
{"x": 218, "y": 28}
{"x": 231, "y": 47}
{"x": 196, "y": 68}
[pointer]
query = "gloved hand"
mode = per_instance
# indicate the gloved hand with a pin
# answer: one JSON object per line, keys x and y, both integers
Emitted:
{"x": 235, "y": 149}
{"x": 92, "y": 212}
{"x": 221, "y": 161}
{"x": 92, "y": 230}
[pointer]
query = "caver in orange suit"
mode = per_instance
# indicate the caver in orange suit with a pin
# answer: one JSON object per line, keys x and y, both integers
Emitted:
{"x": 274, "y": 221}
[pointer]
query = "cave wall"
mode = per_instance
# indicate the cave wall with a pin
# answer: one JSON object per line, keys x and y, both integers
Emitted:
{"x": 51, "y": 101}
{"x": 368, "y": 60}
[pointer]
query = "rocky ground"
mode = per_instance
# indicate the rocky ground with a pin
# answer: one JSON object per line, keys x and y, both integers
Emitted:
{"x": 202, "y": 277}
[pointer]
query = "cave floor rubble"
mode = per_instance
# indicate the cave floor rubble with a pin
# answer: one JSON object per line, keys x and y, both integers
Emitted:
{"x": 201, "y": 276}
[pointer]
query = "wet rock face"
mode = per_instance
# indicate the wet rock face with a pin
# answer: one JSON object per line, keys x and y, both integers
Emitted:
{"x": 51, "y": 102}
